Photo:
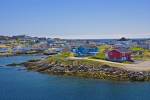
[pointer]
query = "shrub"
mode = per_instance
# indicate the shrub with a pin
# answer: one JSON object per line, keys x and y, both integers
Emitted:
{"x": 101, "y": 54}
{"x": 136, "y": 49}
{"x": 65, "y": 54}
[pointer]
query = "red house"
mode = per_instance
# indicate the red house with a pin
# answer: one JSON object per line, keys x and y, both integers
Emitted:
{"x": 119, "y": 55}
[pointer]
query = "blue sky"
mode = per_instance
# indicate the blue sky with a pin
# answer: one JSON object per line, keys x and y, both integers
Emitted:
{"x": 76, "y": 18}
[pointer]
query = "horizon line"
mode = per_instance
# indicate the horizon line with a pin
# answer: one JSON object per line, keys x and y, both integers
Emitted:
{"x": 77, "y": 38}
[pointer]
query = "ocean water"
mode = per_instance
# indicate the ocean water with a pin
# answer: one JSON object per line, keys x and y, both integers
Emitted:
{"x": 16, "y": 83}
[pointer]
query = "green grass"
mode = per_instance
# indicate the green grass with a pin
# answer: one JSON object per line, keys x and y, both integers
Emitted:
{"x": 136, "y": 49}
{"x": 65, "y": 55}
{"x": 127, "y": 62}
{"x": 144, "y": 56}
{"x": 67, "y": 62}
{"x": 101, "y": 54}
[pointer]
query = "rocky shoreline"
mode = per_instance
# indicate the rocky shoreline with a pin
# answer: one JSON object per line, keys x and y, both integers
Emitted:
{"x": 98, "y": 72}
{"x": 18, "y": 54}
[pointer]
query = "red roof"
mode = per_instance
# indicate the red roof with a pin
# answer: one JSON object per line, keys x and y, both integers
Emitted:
{"x": 118, "y": 54}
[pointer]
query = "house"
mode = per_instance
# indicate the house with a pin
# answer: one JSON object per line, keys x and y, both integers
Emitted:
{"x": 123, "y": 42}
{"x": 118, "y": 55}
{"x": 4, "y": 50}
{"x": 40, "y": 46}
{"x": 3, "y": 41}
{"x": 52, "y": 51}
{"x": 85, "y": 50}
{"x": 20, "y": 49}
{"x": 145, "y": 44}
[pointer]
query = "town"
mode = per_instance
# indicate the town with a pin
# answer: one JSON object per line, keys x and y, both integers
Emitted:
{"x": 116, "y": 50}
{"x": 74, "y": 49}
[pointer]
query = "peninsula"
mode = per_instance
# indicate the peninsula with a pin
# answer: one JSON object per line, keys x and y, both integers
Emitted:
{"x": 114, "y": 59}
{"x": 91, "y": 68}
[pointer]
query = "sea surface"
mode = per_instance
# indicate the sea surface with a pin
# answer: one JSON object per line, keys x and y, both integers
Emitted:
{"x": 16, "y": 83}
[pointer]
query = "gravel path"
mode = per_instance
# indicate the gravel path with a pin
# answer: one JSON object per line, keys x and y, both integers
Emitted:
{"x": 141, "y": 66}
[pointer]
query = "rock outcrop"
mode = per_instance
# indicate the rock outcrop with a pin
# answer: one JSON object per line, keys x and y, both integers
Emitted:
{"x": 99, "y": 72}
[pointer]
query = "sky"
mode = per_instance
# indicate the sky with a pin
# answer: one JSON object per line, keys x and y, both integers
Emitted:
{"x": 92, "y": 19}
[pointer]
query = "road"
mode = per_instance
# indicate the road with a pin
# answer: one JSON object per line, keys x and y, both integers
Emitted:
{"x": 141, "y": 66}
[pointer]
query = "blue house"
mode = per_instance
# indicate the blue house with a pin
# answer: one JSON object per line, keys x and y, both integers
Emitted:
{"x": 85, "y": 51}
{"x": 3, "y": 50}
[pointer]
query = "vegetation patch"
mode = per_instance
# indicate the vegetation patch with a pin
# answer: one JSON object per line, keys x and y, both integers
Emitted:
{"x": 101, "y": 54}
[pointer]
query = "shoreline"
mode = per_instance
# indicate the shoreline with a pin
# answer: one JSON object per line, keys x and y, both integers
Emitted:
{"x": 20, "y": 54}
{"x": 141, "y": 66}
{"x": 86, "y": 68}
{"x": 102, "y": 71}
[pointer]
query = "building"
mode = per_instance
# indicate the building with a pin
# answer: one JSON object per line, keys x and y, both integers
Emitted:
{"x": 4, "y": 50}
{"x": 85, "y": 51}
{"x": 52, "y": 51}
{"x": 143, "y": 43}
{"x": 123, "y": 42}
{"x": 20, "y": 49}
{"x": 118, "y": 55}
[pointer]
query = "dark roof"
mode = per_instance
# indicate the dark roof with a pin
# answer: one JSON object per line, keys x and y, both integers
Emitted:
{"x": 123, "y": 39}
